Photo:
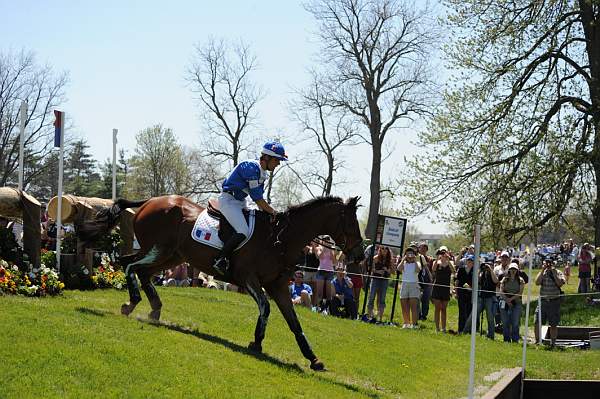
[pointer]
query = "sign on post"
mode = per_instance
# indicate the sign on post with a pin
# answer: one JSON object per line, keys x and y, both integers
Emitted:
{"x": 390, "y": 232}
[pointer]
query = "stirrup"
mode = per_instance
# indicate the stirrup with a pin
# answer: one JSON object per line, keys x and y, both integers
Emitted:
{"x": 221, "y": 265}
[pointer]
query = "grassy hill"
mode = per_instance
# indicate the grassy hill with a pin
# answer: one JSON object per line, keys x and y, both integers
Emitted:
{"x": 78, "y": 345}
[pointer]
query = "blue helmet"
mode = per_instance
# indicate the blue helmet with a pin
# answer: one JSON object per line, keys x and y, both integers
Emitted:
{"x": 274, "y": 149}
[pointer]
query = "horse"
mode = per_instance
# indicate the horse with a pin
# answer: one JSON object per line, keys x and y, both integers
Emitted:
{"x": 163, "y": 227}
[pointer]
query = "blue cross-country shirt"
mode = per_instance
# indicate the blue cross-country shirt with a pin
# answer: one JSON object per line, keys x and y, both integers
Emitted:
{"x": 247, "y": 178}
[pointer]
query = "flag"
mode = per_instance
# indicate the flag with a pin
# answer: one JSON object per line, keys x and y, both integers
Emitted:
{"x": 58, "y": 127}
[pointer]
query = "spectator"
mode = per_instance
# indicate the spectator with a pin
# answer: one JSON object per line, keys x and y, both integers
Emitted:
{"x": 425, "y": 279}
{"x": 410, "y": 293}
{"x": 511, "y": 290}
{"x": 550, "y": 279}
{"x": 344, "y": 295}
{"x": 310, "y": 264}
{"x": 522, "y": 274}
{"x": 500, "y": 270}
{"x": 487, "y": 299}
{"x": 301, "y": 292}
{"x": 585, "y": 268}
{"x": 324, "y": 275}
{"x": 442, "y": 269}
{"x": 464, "y": 282}
{"x": 355, "y": 271}
{"x": 382, "y": 264}
{"x": 567, "y": 272}
{"x": 177, "y": 277}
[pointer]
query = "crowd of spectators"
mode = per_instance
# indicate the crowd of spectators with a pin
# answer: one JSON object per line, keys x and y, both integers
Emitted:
{"x": 437, "y": 279}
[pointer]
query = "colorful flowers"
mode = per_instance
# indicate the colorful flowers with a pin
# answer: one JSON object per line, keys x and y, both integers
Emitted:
{"x": 105, "y": 276}
{"x": 39, "y": 282}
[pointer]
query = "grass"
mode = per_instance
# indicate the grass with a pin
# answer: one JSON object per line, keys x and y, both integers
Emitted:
{"x": 78, "y": 345}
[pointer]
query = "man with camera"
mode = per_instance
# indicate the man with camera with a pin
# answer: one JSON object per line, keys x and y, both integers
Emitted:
{"x": 550, "y": 279}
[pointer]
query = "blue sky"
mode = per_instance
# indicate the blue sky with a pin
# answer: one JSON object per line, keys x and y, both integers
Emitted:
{"x": 127, "y": 59}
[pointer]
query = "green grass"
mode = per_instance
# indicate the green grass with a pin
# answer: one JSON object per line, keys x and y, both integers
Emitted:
{"x": 78, "y": 345}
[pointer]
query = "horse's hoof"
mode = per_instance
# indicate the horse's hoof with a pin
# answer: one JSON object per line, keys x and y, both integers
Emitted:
{"x": 254, "y": 347}
{"x": 317, "y": 365}
{"x": 154, "y": 315}
{"x": 126, "y": 309}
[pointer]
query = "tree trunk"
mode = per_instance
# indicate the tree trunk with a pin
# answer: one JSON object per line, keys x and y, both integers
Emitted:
{"x": 76, "y": 207}
{"x": 375, "y": 187}
{"x": 10, "y": 202}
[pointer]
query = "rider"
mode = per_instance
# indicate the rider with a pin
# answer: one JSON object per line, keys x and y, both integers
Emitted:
{"x": 247, "y": 178}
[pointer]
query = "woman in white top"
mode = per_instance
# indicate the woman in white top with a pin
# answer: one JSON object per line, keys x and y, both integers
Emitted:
{"x": 410, "y": 293}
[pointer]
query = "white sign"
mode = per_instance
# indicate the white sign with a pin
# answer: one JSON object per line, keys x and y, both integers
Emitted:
{"x": 393, "y": 232}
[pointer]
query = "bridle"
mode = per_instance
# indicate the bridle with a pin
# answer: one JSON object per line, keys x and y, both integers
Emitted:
{"x": 283, "y": 221}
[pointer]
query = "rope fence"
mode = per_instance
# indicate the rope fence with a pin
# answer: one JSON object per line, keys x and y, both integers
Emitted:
{"x": 365, "y": 275}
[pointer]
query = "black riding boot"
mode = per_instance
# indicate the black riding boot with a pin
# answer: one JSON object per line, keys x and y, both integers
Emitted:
{"x": 221, "y": 264}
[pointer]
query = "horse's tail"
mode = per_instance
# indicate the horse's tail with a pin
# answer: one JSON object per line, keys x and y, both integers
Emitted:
{"x": 105, "y": 219}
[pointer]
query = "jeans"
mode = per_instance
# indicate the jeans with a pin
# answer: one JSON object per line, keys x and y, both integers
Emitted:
{"x": 511, "y": 318}
{"x": 465, "y": 304}
{"x": 425, "y": 297}
{"x": 490, "y": 304}
{"x": 378, "y": 285}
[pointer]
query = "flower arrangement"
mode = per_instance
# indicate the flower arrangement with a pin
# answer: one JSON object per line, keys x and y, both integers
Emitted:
{"x": 107, "y": 276}
{"x": 39, "y": 282}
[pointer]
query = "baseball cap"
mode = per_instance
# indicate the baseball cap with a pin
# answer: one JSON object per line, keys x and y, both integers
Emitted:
{"x": 504, "y": 253}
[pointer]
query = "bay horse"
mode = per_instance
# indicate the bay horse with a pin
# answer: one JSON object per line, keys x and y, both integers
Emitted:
{"x": 163, "y": 227}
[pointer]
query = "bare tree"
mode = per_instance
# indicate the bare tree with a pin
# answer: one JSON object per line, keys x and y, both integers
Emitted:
{"x": 378, "y": 57}
{"x": 328, "y": 128}
{"x": 220, "y": 78}
{"x": 22, "y": 79}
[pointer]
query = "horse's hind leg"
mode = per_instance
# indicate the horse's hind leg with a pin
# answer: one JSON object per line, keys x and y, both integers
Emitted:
{"x": 135, "y": 296}
{"x": 155, "y": 303}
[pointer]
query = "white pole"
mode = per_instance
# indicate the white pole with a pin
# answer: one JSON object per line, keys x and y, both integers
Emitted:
{"x": 60, "y": 191}
{"x": 525, "y": 336}
{"x": 22, "y": 143}
{"x": 474, "y": 313}
{"x": 540, "y": 318}
{"x": 114, "y": 166}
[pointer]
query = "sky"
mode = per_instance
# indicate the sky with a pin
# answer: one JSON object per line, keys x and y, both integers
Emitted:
{"x": 126, "y": 62}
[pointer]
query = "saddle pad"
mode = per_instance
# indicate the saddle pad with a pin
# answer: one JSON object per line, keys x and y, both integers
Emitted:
{"x": 206, "y": 230}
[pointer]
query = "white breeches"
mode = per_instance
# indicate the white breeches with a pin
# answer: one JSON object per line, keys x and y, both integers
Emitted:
{"x": 232, "y": 210}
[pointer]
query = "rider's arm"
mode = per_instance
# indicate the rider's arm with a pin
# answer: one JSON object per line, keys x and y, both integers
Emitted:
{"x": 263, "y": 205}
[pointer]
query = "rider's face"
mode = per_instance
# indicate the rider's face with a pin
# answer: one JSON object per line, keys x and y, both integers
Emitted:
{"x": 272, "y": 164}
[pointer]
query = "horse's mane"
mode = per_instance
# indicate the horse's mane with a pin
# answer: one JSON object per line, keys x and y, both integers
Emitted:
{"x": 313, "y": 203}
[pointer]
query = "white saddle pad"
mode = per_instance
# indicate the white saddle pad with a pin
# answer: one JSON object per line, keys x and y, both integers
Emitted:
{"x": 206, "y": 230}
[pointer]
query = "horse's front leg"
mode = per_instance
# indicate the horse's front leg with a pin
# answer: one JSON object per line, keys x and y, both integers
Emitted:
{"x": 279, "y": 291}
{"x": 255, "y": 290}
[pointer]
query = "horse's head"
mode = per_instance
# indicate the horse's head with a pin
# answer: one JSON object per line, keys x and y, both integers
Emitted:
{"x": 347, "y": 233}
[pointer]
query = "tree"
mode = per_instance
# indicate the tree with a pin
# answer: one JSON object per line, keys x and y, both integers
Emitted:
{"x": 80, "y": 175}
{"x": 328, "y": 129}
{"x": 157, "y": 165}
{"x": 287, "y": 190}
{"x": 515, "y": 145}
{"x": 378, "y": 57}
{"x": 220, "y": 78}
{"x": 22, "y": 79}
{"x": 122, "y": 166}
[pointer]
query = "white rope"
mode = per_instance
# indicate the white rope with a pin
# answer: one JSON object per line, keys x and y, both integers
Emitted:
{"x": 305, "y": 268}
